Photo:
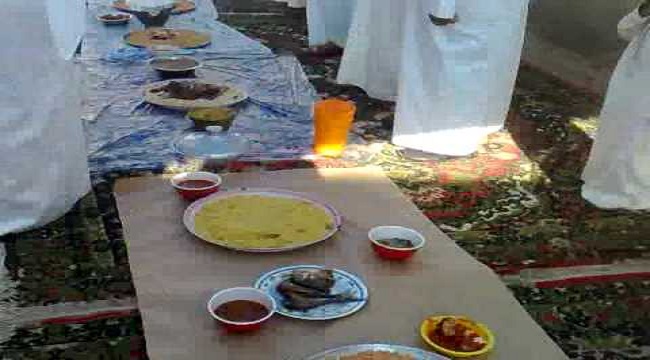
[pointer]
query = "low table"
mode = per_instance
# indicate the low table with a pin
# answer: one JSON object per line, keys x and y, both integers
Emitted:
{"x": 176, "y": 273}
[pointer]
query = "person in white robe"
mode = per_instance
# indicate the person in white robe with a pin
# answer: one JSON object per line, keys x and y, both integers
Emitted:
{"x": 457, "y": 76}
{"x": 294, "y": 3}
{"x": 328, "y": 21}
{"x": 42, "y": 147}
{"x": 371, "y": 59}
{"x": 617, "y": 174}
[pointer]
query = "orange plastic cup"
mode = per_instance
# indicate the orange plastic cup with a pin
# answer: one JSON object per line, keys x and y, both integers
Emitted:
{"x": 332, "y": 119}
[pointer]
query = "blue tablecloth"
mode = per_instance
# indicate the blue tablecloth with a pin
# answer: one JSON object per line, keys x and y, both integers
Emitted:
{"x": 123, "y": 134}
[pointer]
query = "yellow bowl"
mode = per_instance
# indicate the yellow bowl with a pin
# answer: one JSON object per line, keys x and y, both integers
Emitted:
{"x": 432, "y": 322}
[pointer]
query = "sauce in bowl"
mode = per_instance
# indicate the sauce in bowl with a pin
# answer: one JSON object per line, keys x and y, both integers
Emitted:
{"x": 174, "y": 64}
{"x": 241, "y": 311}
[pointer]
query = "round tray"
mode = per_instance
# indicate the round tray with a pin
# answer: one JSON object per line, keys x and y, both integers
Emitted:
{"x": 345, "y": 283}
{"x": 194, "y": 208}
{"x": 186, "y": 39}
{"x": 180, "y": 6}
{"x": 230, "y": 97}
{"x": 356, "y": 349}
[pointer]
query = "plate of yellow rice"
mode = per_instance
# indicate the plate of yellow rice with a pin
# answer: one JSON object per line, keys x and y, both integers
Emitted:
{"x": 261, "y": 220}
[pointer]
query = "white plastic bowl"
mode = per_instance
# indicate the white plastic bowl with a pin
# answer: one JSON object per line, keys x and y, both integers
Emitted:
{"x": 241, "y": 293}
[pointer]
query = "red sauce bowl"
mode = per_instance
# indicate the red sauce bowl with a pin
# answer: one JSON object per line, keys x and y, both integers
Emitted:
{"x": 195, "y": 193}
{"x": 241, "y": 293}
{"x": 389, "y": 232}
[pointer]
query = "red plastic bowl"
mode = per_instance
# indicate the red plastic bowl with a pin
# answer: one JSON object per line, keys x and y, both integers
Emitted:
{"x": 388, "y": 232}
{"x": 192, "y": 194}
{"x": 241, "y": 293}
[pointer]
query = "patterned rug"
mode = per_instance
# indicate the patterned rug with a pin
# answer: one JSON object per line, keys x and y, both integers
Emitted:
{"x": 514, "y": 205}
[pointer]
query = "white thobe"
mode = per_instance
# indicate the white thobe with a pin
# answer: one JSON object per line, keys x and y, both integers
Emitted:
{"x": 456, "y": 81}
{"x": 43, "y": 154}
{"x": 329, "y": 21}
{"x": 617, "y": 174}
{"x": 373, "y": 51}
{"x": 294, "y": 3}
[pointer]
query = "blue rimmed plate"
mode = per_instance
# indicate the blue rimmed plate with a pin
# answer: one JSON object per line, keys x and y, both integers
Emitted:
{"x": 358, "y": 349}
{"x": 345, "y": 283}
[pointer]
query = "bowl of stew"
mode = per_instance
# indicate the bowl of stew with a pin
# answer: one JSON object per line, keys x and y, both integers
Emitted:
{"x": 457, "y": 336}
{"x": 195, "y": 185}
{"x": 241, "y": 309}
{"x": 395, "y": 242}
{"x": 175, "y": 66}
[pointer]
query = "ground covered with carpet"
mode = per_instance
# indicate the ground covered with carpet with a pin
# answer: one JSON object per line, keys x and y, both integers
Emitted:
{"x": 515, "y": 205}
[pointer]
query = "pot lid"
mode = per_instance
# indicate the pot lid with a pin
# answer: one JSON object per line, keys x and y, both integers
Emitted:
{"x": 214, "y": 143}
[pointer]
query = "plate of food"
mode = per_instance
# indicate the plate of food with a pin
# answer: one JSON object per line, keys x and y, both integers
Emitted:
{"x": 457, "y": 336}
{"x": 115, "y": 19}
{"x": 311, "y": 292}
{"x": 158, "y": 36}
{"x": 180, "y": 6}
{"x": 183, "y": 94}
{"x": 261, "y": 220}
{"x": 376, "y": 352}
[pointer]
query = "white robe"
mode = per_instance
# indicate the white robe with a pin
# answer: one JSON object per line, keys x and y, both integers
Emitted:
{"x": 294, "y": 3}
{"x": 456, "y": 81}
{"x": 42, "y": 148}
{"x": 372, "y": 55}
{"x": 329, "y": 21}
{"x": 617, "y": 174}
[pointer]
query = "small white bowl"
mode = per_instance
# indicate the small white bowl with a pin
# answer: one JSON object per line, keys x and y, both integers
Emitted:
{"x": 196, "y": 193}
{"x": 389, "y": 232}
{"x": 242, "y": 293}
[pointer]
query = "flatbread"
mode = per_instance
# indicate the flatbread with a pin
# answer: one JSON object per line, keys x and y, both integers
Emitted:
{"x": 255, "y": 222}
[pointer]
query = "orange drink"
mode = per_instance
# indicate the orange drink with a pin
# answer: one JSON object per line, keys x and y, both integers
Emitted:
{"x": 332, "y": 121}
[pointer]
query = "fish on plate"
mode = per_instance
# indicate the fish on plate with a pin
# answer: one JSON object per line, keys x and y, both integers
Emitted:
{"x": 308, "y": 289}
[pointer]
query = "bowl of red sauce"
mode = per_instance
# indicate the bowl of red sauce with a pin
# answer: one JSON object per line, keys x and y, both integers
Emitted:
{"x": 457, "y": 336}
{"x": 241, "y": 309}
{"x": 395, "y": 242}
{"x": 195, "y": 185}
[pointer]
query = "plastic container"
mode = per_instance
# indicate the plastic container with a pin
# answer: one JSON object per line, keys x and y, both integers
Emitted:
{"x": 214, "y": 146}
{"x": 194, "y": 193}
{"x": 241, "y": 293}
{"x": 431, "y": 323}
{"x": 389, "y": 232}
{"x": 332, "y": 121}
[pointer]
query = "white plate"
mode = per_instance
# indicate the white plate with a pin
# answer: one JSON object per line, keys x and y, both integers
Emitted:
{"x": 194, "y": 208}
{"x": 334, "y": 354}
{"x": 230, "y": 97}
{"x": 345, "y": 283}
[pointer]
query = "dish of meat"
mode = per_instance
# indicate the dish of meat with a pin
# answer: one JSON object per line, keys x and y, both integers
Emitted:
{"x": 185, "y": 94}
{"x": 311, "y": 292}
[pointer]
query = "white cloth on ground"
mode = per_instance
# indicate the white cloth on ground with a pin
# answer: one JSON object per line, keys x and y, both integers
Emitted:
{"x": 329, "y": 21}
{"x": 42, "y": 144}
{"x": 372, "y": 55}
{"x": 617, "y": 174}
{"x": 456, "y": 81}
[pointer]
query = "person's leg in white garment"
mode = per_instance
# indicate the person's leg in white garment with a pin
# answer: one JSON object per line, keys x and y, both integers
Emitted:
{"x": 456, "y": 80}
{"x": 617, "y": 174}
{"x": 373, "y": 51}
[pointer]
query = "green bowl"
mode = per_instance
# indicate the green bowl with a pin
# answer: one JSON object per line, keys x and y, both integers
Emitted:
{"x": 203, "y": 118}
